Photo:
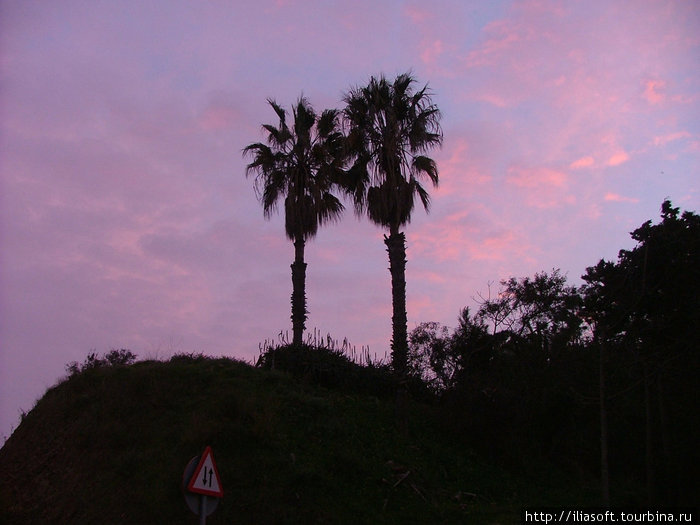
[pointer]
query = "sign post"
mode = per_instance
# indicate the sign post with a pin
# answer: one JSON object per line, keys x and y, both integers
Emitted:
{"x": 202, "y": 485}
{"x": 203, "y": 510}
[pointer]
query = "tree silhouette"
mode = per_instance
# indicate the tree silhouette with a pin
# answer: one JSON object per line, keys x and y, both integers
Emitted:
{"x": 647, "y": 305}
{"x": 391, "y": 126}
{"x": 301, "y": 164}
{"x": 542, "y": 309}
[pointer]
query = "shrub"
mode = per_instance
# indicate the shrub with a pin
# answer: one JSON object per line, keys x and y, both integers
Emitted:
{"x": 326, "y": 362}
{"x": 121, "y": 357}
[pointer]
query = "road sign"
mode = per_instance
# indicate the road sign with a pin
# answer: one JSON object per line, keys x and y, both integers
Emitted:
{"x": 196, "y": 502}
{"x": 206, "y": 480}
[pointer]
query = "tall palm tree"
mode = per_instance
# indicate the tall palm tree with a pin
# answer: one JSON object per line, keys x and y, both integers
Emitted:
{"x": 301, "y": 164}
{"x": 390, "y": 128}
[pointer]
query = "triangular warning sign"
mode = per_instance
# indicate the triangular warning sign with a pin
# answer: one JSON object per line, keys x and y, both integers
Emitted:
{"x": 205, "y": 479}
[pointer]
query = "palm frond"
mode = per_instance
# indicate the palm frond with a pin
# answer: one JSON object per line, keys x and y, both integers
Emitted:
{"x": 328, "y": 123}
{"x": 389, "y": 127}
{"x": 279, "y": 110}
{"x": 426, "y": 165}
{"x": 301, "y": 165}
{"x": 418, "y": 188}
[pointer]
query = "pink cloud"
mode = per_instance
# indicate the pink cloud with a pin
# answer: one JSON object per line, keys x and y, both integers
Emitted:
{"x": 542, "y": 187}
{"x": 614, "y": 197}
{"x": 430, "y": 276}
{"x": 416, "y": 14}
{"x": 419, "y": 306}
{"x": 654, "y": 91}
{"x": 583, "y": 162}
{"x": 460, "y": 165}
{"x": 326, "y": 254}
{"x": 432, "y": 51}
{"x": 494, "y": 247}
{"x": 215, "y": 118}
{"x": 536, "y": 177}
{"x": 618, "y": 158}
{"x": 493, "y": 98}
{"x": 501, "y": 36}
{"x": 446, "y": 239}
{"x": 467, "y": 235}
{"x": 671, "y": 137}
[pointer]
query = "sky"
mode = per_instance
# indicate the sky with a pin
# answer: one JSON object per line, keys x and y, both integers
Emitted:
{"x": 126, "y": 220}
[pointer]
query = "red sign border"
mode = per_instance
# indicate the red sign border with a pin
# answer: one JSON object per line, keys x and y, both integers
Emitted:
{"x": 190, "y": 486}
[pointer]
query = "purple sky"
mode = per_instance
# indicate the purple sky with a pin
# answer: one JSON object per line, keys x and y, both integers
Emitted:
{"x": 127, "y": 222}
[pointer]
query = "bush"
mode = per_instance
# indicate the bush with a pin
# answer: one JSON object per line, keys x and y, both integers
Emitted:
{"x": 325, "y": 362}
{"x": 121, "y": 357}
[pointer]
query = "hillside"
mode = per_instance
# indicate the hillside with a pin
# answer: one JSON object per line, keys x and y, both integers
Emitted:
{"x": 109, "y": 445}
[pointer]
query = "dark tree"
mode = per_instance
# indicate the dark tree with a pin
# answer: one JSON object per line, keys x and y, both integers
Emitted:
{"x": 647, "y": 306}
{"x": 431, "y": 356}
{"x": 391, "y": 127}
{"x": 542, "y": 310}
{"x": 300, "y": 164}
{"x": 601, "y": 313}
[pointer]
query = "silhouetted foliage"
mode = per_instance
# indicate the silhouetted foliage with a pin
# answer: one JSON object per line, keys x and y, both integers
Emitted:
{"x": 390, "y": 128}
{"x": 431, "y": 356}
{"x": 507, "y": 372}
{"x": 645, "y": 309}
{"x": 329, "y": 363}
{"x": 301, "y": 164}
{"x": 121, "y": 357}
{"x": 604, "y": 374}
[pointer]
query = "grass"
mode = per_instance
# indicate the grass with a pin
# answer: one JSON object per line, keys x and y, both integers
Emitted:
{"x": 110, "y": 443}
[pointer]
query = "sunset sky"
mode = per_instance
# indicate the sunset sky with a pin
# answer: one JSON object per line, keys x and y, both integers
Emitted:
{"x": 126, "y": 220}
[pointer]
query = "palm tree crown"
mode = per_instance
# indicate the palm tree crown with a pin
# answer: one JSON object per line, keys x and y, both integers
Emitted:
{"x": 301, "y": 164}
{"x": 390, "y": 128}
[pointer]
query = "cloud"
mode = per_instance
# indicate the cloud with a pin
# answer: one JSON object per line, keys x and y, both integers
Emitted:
{"x": 537, "y": 178}
{"x": 501, "y": 36}
{"x": 614, "y": 197}
{"x": 493, "y": 99}
{"x": 662, "y": 140}
{"x": 467, "y": 235}
{"x": 618, "y": 158}
{"x": 432, "y": 51}
{"x": 654, "y": 91}
{"x": 416, "y": 14}
{"x": 461, "y": 165}
{"x": 542, "y": 187}
{"x": 583, "y": 162}
{"x": 218, "y": 115}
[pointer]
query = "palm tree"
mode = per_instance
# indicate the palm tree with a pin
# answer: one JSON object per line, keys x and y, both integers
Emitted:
{"x": 390, "y": 127}
{"x": 301, "y": 164}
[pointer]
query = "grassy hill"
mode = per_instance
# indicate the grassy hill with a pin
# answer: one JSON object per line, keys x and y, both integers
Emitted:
{"x": 110, "y": 443}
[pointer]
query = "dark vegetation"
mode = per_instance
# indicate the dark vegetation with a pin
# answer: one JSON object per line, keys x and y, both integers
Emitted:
{"x": 600, "y": 380}
{"x": 548, "y": 394}
{"x": 109, "y": 445}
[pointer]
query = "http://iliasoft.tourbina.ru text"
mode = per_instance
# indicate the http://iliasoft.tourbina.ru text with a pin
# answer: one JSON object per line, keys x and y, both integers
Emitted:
{"x": 561, "y": 515}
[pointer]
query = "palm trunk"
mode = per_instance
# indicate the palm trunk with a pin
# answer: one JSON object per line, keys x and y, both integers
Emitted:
{"x": 396, "y": 246}
{"x": 298, "y": 292}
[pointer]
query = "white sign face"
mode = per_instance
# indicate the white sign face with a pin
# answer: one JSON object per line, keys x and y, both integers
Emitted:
{"x": 206, "y": 477}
